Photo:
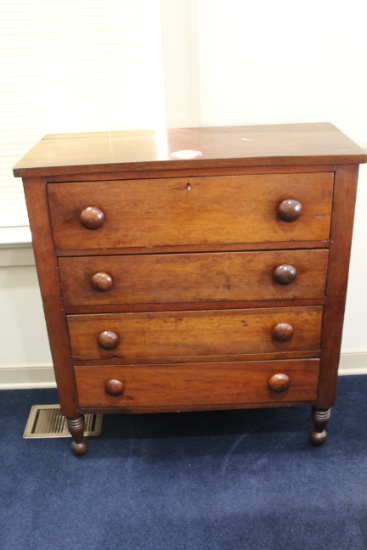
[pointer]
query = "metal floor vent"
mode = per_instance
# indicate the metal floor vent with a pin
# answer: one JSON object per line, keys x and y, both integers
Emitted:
{"x": 47, "y": 421}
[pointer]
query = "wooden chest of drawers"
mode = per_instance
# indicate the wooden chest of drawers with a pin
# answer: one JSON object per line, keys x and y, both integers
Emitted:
{"x": 202, "y": 269}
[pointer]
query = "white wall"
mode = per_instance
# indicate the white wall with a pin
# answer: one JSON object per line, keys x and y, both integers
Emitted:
{"x": 233, "y": 62}
{"x": 355, "y": 323}
{"x": 262, "y": 62}
{"x": 259, "y": 62}
{"x": 25, "y": 357}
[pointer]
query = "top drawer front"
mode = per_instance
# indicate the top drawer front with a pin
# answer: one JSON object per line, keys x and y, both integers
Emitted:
{"x": 191, "y": 211}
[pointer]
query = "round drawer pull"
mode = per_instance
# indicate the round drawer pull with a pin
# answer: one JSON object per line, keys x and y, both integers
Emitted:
{"x": 289, "y": 210}
{"x": 283, "y": 332}
{"x": 285, "y": 274}
{"x": 279, "y": 382}
{"x": 101, "y": 281}
{"x": 114, "y": 387}
{"x": 92, "y": 217}
{"x": 108, "y": 339}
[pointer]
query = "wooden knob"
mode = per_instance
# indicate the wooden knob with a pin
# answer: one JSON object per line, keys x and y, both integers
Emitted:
{"x": 114, "y": 387}
{"x": 108, "y": 339}
{"x": 279, "y": 382}
{"x": 101, "y": 281}
{"x": 289, "y": 210}
{"x": 285, "y": 274}
{"x": 283, "y": 332}
{"x": 92, "y": 217}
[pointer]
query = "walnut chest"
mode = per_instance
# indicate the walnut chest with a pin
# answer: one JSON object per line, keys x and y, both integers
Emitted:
{"x": 193, "y": 269}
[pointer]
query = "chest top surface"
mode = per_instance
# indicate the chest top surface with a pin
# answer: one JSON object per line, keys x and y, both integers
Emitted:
{"x": 273, "y": 145}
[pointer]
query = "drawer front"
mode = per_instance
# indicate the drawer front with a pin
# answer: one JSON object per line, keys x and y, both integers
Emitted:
{"x": 168, "y": 336}
{"x": 218, "y": 384}
{"x": 189, "y": 211}
{"x": 169, "y": 278}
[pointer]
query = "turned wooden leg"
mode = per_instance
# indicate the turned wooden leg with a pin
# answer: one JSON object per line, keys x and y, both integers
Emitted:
{"x": 79, "y": 445}
{"x": 320, "y": 418}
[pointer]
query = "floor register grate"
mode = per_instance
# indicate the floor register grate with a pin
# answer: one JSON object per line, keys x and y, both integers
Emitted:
{"x": 47, "y": 421}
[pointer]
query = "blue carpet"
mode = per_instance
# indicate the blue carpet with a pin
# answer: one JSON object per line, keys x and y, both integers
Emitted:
{"x": 208, "y": 481}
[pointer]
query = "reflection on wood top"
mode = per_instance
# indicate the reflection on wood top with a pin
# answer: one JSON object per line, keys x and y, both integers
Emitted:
{"x": 274, "y": 145}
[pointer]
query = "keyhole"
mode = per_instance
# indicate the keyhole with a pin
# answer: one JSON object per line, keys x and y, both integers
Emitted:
{"x": 188, "y": 187}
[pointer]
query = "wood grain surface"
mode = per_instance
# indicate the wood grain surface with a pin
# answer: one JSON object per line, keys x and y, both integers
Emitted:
{"x": 191, "y": 211}
{"x": 276, "y": 145}
{"x": 155, "y": 336}
{"x": 174, "y": 278}
{"x": 197, "y": 384}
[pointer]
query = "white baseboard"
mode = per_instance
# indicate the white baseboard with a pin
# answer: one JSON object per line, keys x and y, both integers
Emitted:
{"x": 24, "y": 377}
{"x": 42, "y": 376}
{"x": 353, "y": 363}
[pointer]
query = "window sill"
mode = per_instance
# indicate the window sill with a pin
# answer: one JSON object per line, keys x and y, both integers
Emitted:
{"x": 16, "y": 247}
{"x": 15, "y": 237}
